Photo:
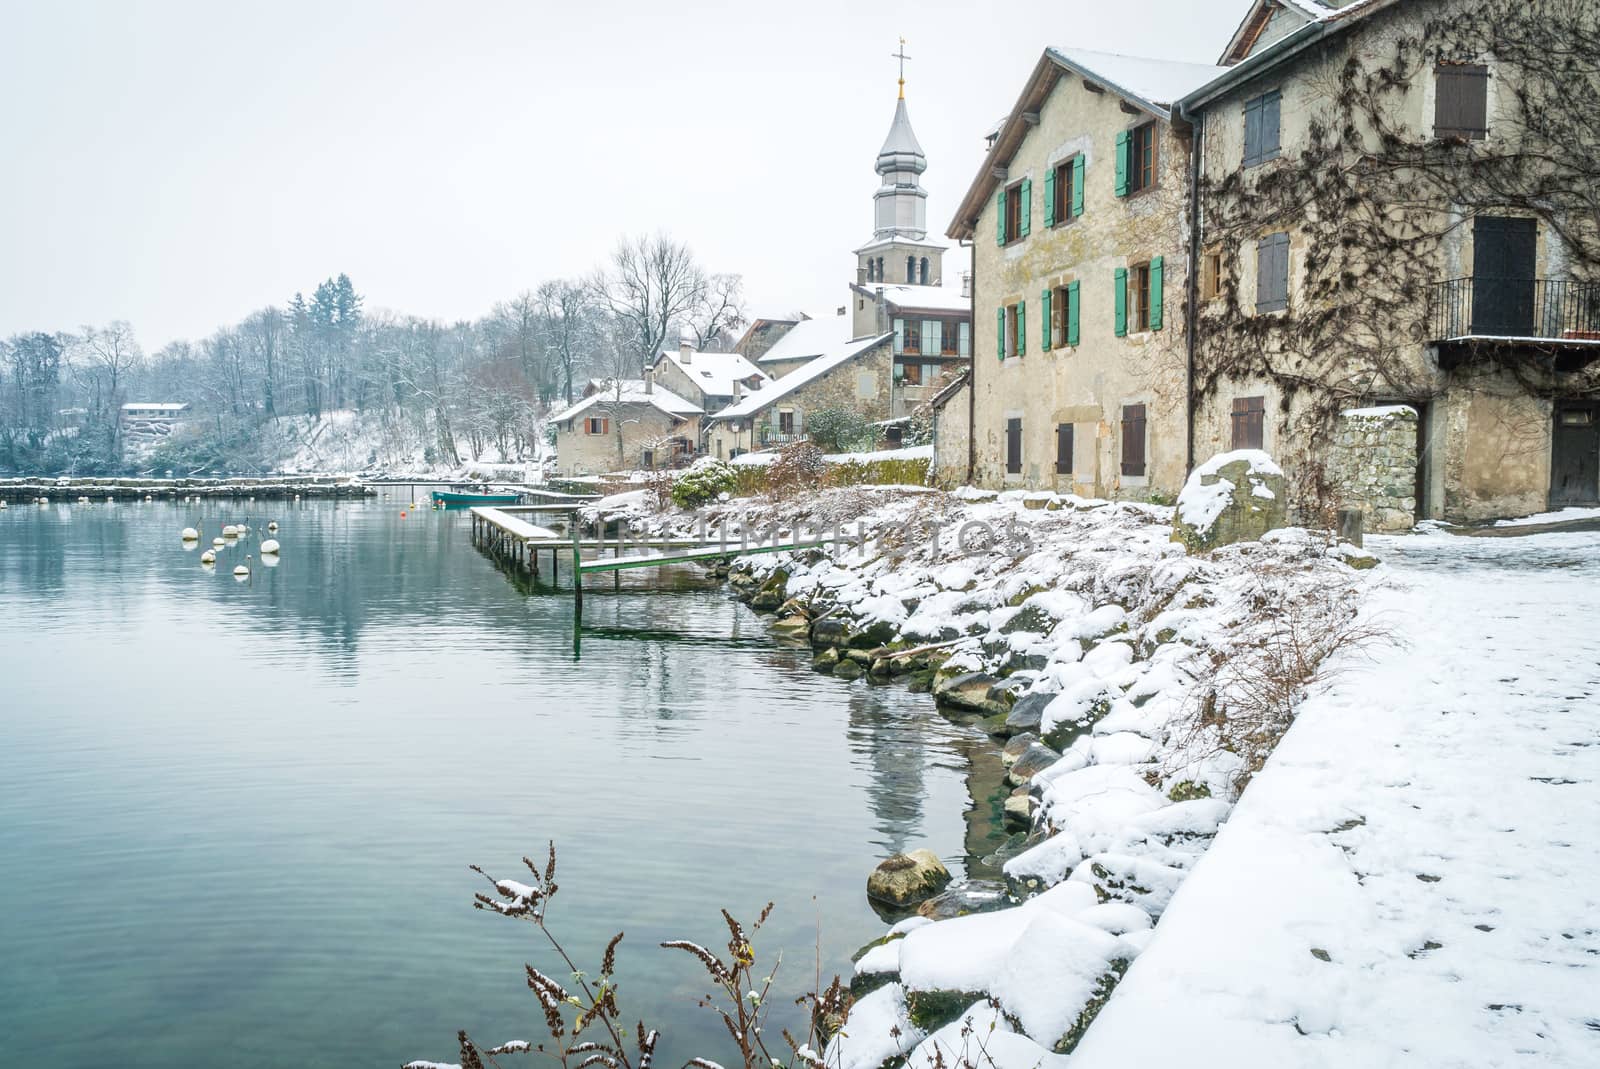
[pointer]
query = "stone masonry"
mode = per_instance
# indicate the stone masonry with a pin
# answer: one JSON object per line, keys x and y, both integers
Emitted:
{"x": 1373, "y": 465}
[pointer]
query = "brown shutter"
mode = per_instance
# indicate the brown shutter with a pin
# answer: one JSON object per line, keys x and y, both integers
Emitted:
{"x": 1133, "y": 439}
{"x": 1013, "y": 446}
{"x": 1249, "y": 422}
{"x": 1063, "y": 449}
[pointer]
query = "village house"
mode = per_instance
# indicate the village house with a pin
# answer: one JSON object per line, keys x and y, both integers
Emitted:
{"x": 804, "y": 342}
{"x": 705, "y": 379}
{"x": 1395, "y": 209}
{"x": 625, "y": 424}
{"x": 855, "y": 375}
{"x": 1079, "y": 267}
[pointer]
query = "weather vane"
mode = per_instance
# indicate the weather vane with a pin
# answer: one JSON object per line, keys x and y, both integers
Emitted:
{"x": 902, "y": 57}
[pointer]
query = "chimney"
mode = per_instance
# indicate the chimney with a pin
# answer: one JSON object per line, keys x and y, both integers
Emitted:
{"x": 738, "y": 390}
{"x": 649, "y": 381}
{"x": 842, "y": 310}
{"x": 685, "y": 348}
{"x": 966, "y": 283}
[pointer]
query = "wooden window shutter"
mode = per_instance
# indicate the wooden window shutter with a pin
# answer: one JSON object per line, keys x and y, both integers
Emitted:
{"x": 1000, "y": 336}
{"x": 932, "y": 337}
{"x": 1072, "y": 313}
{"x": 899, "y": 336}
{"x": 1000, "y": 217}
{"x": 605, "y": 425}
{"x": 1123, "y": 151}
{"x": 1249, "y": 422}
{"x": 1022, "y": 328}
{"x": 1013, "y": 446}
{"x": 1063, "y": 449}
{"x": 1025, "y": 191}
{"x": 1077, "y": 185}
{"x": 1272, "y": 273}
{"x": 1050, "y": 197}
{"x": 1155, "y": 292}
{"x": 1044, "y": 321}
{"x": 1461, "y": 102}
{"x": 1133, "y": 439}
{"x": 1120, "y": 285}
{"x": 964, "y": 339}
{"x": 1271, "y": 125}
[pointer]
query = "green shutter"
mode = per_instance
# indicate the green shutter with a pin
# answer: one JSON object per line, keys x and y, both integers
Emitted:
{"x": 1077, "y": 185}
{"x": 1072, "y": 313}
{"x": 1050, "y": 197}
{"x": 1044, "y": 321}
{"x": 1155, "y": 293}
{"x": 1124, "y": 147}
{"x": 899, "y": 336}
{"x": 1000, "y": 336}
{"x": 1000, "y": 218}
{"x": 1026, "y": 192}
{"x": 1022, "y": 328}
{"x": 1120, "y": 284}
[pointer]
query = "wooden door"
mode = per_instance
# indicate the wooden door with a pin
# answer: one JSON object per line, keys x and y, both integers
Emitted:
{"x": 1504, "y": 262}
{"x": 1575, "y": 456}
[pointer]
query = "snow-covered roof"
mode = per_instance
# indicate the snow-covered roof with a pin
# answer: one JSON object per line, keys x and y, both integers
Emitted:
{"x": 1157, "y": 83}
{"x": 777, "y": 389}
{"x": 633, "y": 392}
{"x": 158, "y": 406}
{"x": 714, "y": 373}
{"x": 810, "y": 338}
{"x": 922, "y": 298}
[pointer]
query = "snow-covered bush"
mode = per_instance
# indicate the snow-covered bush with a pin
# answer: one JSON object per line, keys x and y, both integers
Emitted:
{"x": 705, "y": 480}
{"x": 799, "y": 468}
{"x": 840, "y": 430}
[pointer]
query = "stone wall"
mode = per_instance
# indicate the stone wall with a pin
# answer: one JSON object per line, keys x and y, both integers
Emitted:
{"x": 1372, "y": 465}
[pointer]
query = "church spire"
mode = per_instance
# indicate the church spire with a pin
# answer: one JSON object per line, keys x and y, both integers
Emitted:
{"x": 901, "y": 202}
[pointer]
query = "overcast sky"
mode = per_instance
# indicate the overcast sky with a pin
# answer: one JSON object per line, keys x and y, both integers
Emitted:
{"x": 179, "y": 164}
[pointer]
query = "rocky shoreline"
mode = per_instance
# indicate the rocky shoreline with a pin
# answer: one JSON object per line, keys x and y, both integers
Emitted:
{"x": 111, "y": 488}
{"x": 1097, "y": 655}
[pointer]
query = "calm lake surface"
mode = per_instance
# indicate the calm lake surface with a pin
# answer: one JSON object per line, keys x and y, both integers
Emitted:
{"x": 236, "y": 818}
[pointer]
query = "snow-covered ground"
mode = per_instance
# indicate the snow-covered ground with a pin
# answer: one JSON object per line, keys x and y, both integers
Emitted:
{"x": 1414, "y": 879}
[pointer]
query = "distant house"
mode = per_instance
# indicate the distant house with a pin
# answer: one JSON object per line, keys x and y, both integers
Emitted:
{"x": 151, "y": 421}
{"x": 762, "y": 334}
{"x": 856, "y": 375}
{"x": 706, "y": 379}
{"x": 625, "y": 424}
{"x": 159, "y": 410}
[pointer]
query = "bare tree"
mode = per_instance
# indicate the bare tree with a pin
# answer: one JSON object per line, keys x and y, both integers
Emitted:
{"x": 264, "y": 332}
{"x": 111, "y": 353}
{"x": 718, "y": 315}
{"x": 565, "y": 309}
{"x": 650, "y": 283}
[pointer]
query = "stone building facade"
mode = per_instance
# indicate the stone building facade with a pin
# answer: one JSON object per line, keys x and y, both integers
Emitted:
{"x": 631, "y": 425}
{"x": 1079, "y": 270}
{"x": 856, "y": 376}
{"x": 1366, "y": 237}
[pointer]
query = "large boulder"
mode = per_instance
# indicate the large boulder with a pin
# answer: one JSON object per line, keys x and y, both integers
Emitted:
{"x": 906, "y": 879}
{"x": 1233, "y": 497}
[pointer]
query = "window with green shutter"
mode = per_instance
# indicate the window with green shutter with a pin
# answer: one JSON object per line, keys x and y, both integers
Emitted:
{"x": 899, "y": 336}
{"x": 1000, "y": 333}
{"x": 1025, "y": 194}
{"x": 1120, "y": 286}
{"x": 1124, "y": 140}
{"x": 1155, "y": 292}
{"x": 1072, "y": 313}
{"x": 1022, "y": 328}
{"x": 1077, "y": 185}
{"x": 1000, "y": 217}
{"x": 1045, "y": 321}
{"x": 1050, "y": 196}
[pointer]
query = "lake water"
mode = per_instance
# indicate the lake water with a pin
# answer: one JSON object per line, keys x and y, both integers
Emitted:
{"x": 236, "y": 818}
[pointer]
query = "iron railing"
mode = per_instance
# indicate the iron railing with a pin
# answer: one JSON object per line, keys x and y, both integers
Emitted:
{"x": 1514, "y": 308}
{"x": 772, "y": 437}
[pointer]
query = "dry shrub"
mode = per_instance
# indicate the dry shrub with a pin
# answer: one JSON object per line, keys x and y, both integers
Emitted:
{"x": 798, "y": 468}
{"x": 1298, "y": 620}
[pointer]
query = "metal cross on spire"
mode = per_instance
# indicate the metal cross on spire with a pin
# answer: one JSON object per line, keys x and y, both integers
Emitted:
{"x": 902, "y": 57}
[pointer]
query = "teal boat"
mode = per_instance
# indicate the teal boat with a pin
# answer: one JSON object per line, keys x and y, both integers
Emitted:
{"x": 473, "y": 497}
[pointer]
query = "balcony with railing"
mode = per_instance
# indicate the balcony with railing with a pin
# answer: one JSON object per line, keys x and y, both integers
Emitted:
{"x": 1514, "y": 308}
{"x": 770, "y": 437}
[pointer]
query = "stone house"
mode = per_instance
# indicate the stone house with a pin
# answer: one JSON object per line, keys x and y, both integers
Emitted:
{"x": 705, "y": 379}
{"x": 762, "y": 334}
{"x": 1371, "y": 234}
{"x": 949, "y": 411}
{"x": 1077, "y": 219}
{"x": 855, "y": 375}
{"x": 804, "y": 342}
{"x": 624, "y": 425}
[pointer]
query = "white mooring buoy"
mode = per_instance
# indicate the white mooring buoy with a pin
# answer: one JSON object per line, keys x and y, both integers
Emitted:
{"x": 191, "y": 535}
{"x": 219, "y": 542}
{"x": 273, "y": 526}
{"x": 208, "y": 557}
{"x": 269, "y": 547}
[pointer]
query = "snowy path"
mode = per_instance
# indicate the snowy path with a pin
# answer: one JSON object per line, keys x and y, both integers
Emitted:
{"x": 1415, "y": 877}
